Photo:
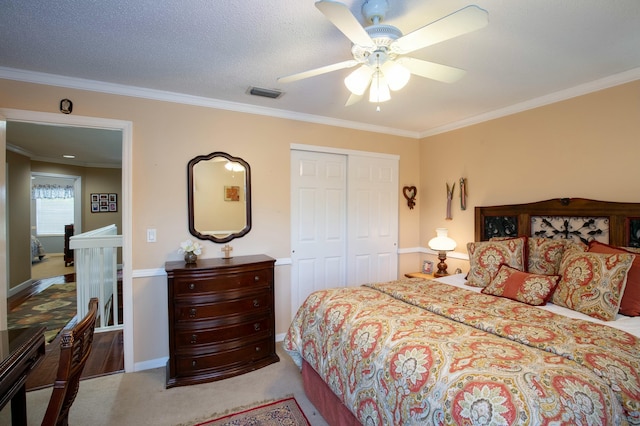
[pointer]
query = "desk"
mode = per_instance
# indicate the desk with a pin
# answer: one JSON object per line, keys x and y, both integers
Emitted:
{"x": 21, "y": 350}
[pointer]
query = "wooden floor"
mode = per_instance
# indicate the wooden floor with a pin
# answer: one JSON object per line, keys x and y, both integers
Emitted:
{"x": 107, "y": 352}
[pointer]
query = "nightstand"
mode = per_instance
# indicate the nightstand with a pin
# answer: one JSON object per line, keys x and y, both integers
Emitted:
{"x": 419, "y": 275}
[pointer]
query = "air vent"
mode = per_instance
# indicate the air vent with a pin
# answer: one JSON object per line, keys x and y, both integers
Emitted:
{"x": 265, "y": 93}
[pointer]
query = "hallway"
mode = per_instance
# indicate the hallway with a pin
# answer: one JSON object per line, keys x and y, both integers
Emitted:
{"x": 107, "y": 356}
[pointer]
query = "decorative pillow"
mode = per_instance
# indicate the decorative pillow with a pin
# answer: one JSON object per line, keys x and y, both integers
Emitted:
{"x": 485, "y": 258}
{"x": 532, "y": 289}
{"x": 630, "y": 304}
{"x": 592, "y": 283}
{"x": 545, "y": 255}
{"x": 576, "y": 245}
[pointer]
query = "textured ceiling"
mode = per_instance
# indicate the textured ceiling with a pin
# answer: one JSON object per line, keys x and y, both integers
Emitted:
{"x": 532, "y": 52}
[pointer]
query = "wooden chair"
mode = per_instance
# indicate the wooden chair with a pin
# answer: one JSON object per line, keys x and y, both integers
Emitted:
{"x": 75, "y": 347}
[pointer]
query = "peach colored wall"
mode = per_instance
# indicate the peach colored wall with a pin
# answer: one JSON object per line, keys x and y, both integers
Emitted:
{"x": 587, "y": 147}
{"x": 165, "y": 137}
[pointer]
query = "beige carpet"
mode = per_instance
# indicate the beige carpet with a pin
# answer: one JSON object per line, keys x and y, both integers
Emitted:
{"x": 141, "y": 399}
{"x": 51, "y": 266}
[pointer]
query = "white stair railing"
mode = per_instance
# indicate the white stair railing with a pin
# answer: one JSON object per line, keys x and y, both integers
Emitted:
{"x": 95, "y": 257}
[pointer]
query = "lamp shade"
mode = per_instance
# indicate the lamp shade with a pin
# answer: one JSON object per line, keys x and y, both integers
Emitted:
{"x": 379, "y": 90}
{"x": 442, "y": 242}
{"x": 397, "y": 75}
{"x": 358, "y": 81}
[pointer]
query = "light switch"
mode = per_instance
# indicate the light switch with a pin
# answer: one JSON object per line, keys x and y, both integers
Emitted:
{"x": 151, "y": 235}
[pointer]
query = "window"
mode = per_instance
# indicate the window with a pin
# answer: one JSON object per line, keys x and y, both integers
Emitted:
{"x": 52, "y": 214}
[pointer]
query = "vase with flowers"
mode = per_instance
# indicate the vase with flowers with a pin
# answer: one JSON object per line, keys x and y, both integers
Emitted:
{"x": 191, "y": 251}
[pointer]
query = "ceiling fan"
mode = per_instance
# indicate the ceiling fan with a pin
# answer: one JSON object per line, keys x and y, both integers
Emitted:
{"x": 380, "y": 49}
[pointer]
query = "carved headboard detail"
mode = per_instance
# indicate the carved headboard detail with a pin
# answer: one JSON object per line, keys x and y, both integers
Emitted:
{"x": 584, "y": 220}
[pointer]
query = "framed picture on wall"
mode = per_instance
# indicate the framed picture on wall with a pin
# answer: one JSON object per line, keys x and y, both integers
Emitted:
{"x": 104, "y": 203}
{"x": 427, "y": 267}
{"x": 232, "y": 193}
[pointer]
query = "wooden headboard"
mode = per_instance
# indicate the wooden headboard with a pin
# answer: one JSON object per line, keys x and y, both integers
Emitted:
{"x": 580, "y": 219}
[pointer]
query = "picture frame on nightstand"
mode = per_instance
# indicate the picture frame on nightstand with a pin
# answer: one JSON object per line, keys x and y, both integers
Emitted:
{"x": 427, "y": 267}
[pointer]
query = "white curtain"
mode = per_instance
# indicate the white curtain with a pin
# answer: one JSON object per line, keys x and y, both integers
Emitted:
{"x": 51, "y": 191}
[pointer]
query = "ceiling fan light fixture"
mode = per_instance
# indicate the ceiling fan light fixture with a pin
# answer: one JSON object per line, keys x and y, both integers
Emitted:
{"x": 379, "y": 91}
{"x": 358, "y": 81}
{"x": 397, "y": 75}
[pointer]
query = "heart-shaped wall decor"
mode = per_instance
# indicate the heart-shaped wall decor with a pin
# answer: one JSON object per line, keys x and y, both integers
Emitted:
{"x": 410, "y": 193}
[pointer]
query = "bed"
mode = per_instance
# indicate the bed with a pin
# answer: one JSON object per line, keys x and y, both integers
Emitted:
{"x": 538, "y": 338}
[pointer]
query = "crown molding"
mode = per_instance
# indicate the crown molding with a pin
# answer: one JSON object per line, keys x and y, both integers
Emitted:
{"x": 582, "y": 89}
{"x": 179, "y": 98}
{"x": 31, "y": 156}
{"x": 164, "y": 96}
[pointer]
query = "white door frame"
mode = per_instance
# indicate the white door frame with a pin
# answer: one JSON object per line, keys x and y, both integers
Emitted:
{"x": 126, "y": 127}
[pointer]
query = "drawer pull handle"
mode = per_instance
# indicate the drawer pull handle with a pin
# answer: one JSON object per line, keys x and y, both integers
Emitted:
{"x": 194, "y": 338}
{"x": 256, "y": 278}
{"x": 192, "y": 286}
{"x": 257, "y": 348}
{"x": 193, "y": 363}
{"x": 192, "y": 313}
{"x": 256, "y": 303}
{"x": 256, "y": 326}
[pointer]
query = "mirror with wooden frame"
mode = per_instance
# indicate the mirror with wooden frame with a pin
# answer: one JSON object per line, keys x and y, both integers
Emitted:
{"x": 219, "y": 196}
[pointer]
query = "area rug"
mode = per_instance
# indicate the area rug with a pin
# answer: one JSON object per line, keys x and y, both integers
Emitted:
{"x": 277, "y": 413}
{"x": 53, "y": 307}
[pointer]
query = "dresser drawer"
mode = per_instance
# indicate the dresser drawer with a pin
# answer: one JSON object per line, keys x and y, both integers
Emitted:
{"x": 219, "y": 284}
{"x": 186, "y": 340}
{"x": 254, "y": 304}
{"x": 241, "y": 356}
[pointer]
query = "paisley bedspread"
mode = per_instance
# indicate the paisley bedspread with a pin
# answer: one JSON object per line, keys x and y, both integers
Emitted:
{"x": 422, "y": 352}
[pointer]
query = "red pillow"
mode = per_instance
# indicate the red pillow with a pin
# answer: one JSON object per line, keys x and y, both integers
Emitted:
{"x": 630, "y": 304}
{"x": 532, "y": 289}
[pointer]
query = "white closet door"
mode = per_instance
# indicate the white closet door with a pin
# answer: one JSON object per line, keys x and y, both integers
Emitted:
{"x": 318, "y": 218}
{"x": 372, "y": 220}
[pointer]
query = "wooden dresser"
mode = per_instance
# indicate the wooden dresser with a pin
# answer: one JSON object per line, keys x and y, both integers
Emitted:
{"x": 221, "y": 318}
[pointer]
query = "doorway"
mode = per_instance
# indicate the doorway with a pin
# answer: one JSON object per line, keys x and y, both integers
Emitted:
{"x": 125, "y": 129}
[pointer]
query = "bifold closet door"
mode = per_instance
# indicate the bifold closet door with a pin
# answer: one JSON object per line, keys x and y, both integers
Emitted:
{"x": 372, "y": 219}
{"x": 344, "y": 221}
{"x": 318, "y": 223}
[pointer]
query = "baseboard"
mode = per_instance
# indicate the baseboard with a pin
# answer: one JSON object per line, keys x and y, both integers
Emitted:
{"x": 20, "y": 287}
{"x": 150, "y": 364}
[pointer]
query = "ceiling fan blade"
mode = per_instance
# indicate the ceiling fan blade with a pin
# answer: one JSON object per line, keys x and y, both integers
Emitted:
{"x": 340, "y": 16}
{"x": 431, "y": 70}
{"x": 317, "y": 71}
{"x": 353, "y": 99}
{"x": 463, "y": 21}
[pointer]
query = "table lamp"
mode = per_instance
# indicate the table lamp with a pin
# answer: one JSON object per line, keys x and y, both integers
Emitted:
{"x": 442, "y": 244}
